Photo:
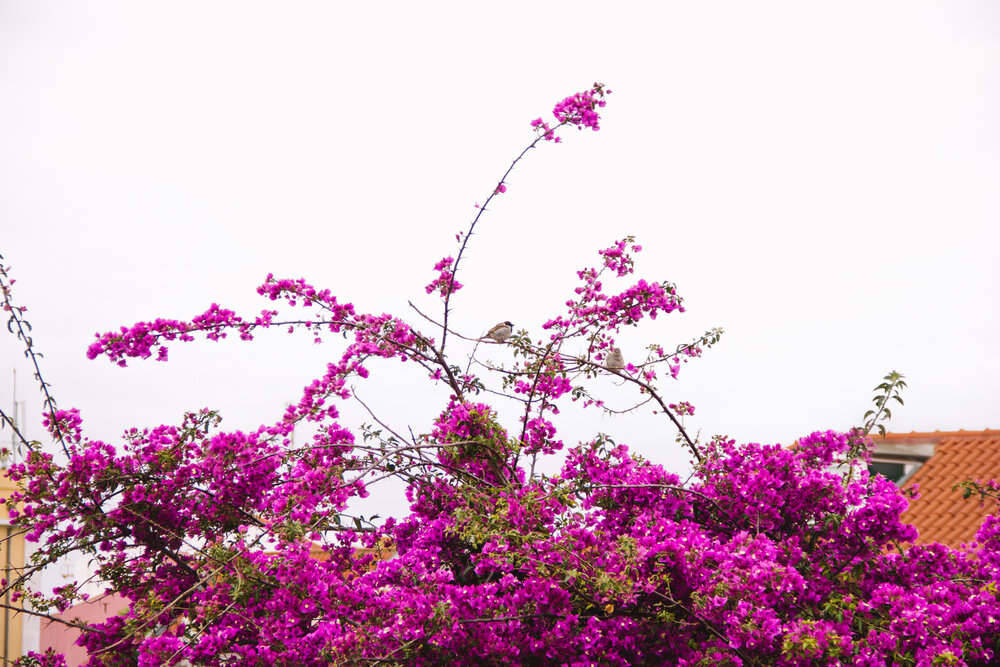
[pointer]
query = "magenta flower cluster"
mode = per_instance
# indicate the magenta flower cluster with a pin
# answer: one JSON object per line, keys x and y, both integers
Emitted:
{"x": 682, "y": 408}
{"x": 444, "y": 283}
{"x": 241, "y": 548}
{"x": 597, "y": 317}
{"x": 579, "y": 109}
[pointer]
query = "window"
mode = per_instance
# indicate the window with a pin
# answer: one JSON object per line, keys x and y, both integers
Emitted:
{"x": 894, "y": 471}
{"x": 897, "y": 461}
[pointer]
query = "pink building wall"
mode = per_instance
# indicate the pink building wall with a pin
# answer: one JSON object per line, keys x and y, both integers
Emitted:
{"x": 62, "y": 638}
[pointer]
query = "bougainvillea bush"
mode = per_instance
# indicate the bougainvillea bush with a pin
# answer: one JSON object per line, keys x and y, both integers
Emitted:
{"x": 238, "y": 548}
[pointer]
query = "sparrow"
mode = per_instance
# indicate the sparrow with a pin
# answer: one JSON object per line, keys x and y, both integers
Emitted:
{"x": 615, "y": 360}
{"x": 500, "y": 332}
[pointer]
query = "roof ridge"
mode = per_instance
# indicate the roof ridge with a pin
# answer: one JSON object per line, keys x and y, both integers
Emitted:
{"x": 938, "y": 435}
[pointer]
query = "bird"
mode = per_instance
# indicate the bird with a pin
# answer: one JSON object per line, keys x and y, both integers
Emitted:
{"x": 615, "y": 360}
{"x": 500, "y": 332}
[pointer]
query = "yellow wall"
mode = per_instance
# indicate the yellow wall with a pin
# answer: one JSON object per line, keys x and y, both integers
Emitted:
{"x": 11, "y": 560}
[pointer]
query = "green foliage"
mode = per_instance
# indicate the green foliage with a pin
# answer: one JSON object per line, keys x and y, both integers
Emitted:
{"x": 888, "y": 390}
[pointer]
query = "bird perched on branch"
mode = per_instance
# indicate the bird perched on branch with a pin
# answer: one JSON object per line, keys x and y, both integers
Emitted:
{"x": 615, "y": 359}
{"x": 500, "y": 332}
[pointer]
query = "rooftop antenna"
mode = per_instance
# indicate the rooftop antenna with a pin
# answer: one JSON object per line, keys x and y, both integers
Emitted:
{"x": 14, "y": 445}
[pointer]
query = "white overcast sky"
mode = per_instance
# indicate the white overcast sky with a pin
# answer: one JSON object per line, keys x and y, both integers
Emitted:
{"x": 819, "y": 179}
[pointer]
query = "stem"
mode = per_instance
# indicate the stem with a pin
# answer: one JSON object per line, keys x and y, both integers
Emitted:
{"x": 22, "y": 335}
{"x": 472, "y": 227}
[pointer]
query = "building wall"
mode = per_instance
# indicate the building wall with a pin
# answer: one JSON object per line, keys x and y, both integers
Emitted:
{"x": 62, "y": 638}
{"x": 12, "y": 562}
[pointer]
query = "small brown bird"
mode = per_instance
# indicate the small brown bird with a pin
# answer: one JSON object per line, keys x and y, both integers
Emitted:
{"x": 615, "y": 359}
{"x": 500, "y": 332}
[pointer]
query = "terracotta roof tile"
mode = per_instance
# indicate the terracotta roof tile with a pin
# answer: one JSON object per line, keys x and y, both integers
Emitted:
{"x": 941, "y": 514}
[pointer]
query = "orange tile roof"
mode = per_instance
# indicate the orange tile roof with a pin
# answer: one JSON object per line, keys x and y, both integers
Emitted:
{"x": 941, "y": 514}
{"x": 386, "y": 552}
